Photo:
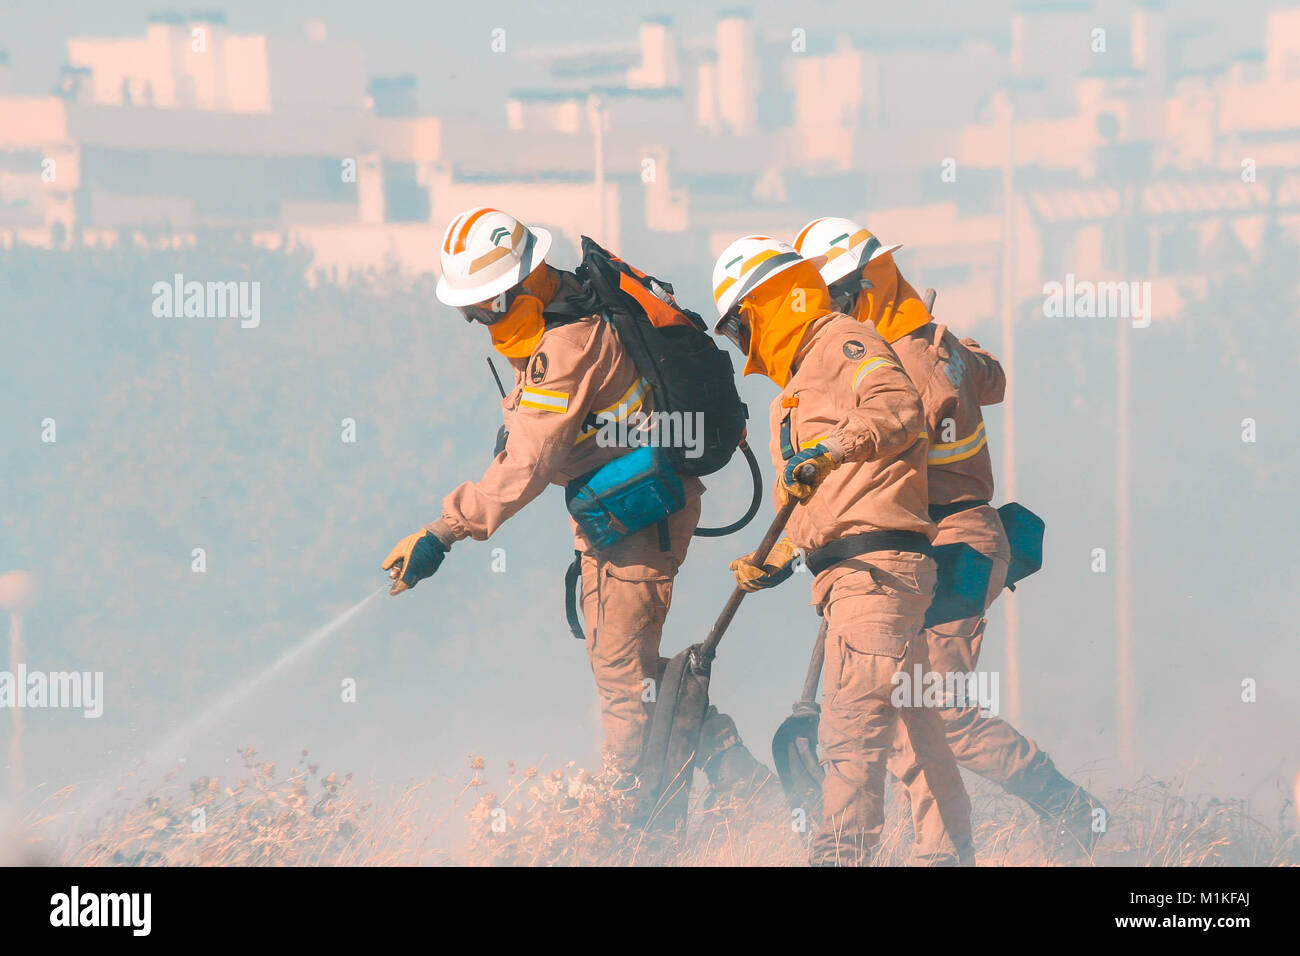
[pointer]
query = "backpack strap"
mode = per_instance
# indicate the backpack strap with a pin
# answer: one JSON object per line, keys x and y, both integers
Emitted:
{"x": 787, "y": 444}
{"x": 571, "y": 302}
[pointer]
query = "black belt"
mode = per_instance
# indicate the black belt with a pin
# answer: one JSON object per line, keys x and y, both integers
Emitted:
{"x": 853, "y": 545}
{"x": 939, "y": 512}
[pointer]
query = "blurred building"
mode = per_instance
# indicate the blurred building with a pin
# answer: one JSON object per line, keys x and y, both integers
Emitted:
{"x": 1152, "y": 146}
{"x": 194, "y": 62}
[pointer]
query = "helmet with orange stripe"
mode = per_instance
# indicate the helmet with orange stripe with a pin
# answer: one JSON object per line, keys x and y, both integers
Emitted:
{"x": 846, "y": 246}
{"x": 485, "y": 253}
{"x": 743, "y": 266}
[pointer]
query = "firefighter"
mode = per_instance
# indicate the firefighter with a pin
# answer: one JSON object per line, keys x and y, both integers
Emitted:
{"x": 847, "y": 407}
{"x": 954, "y": 378}
{"x": 568, "y": 369}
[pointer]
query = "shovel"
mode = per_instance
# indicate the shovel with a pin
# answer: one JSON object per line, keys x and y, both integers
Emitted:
{"x": 794, "y": 746}
{"x": 674, "y": 734}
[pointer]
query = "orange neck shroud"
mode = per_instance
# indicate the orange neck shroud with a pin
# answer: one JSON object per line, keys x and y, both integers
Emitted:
{"x": 892, "y": 305}
{"x": 779, "y": 312}
{"x": 517, "y": 333}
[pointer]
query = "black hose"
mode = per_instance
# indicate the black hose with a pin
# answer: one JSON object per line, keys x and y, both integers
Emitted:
{"x": 735, "y": 526}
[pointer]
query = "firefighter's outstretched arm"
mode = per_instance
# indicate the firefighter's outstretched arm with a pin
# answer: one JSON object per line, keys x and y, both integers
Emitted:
{"x": 551, "y": 411}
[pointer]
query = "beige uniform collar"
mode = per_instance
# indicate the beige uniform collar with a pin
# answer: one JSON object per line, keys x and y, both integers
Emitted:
{"x": 810, "y": 338}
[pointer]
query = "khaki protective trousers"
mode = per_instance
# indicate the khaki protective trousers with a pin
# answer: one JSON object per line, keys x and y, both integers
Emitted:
{"x": 986, "y": 745}
{"x": 874, "y": 615}
{"x": 626, "y": 592}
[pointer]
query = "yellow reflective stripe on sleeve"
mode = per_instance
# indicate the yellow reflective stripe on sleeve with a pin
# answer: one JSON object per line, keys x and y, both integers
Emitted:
{"x": 804, "y": 446}
{"x": 949, "y": 452}
{"x": 870, "y": 365}
{"x": 544, "y": 399}
{"x": 625, "y": 406}
{"x": 632, "y": 395}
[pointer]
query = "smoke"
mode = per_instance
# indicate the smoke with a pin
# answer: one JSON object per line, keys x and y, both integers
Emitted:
{"x": 175, "y": 745}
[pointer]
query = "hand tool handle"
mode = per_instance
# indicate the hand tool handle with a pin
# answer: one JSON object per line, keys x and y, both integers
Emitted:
{"x": 814, "y": 667}
{"x": 761, "y": 553}
{"x": 927, "y": 296}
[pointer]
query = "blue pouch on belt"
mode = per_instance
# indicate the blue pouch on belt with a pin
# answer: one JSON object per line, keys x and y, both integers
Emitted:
{"x": 630, "y": 493}
{"x": 1025, "y": 534}
{"x": 962, "y": 585}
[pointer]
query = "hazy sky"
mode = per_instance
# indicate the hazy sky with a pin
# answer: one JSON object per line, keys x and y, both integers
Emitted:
{"x": 442, "y": 43}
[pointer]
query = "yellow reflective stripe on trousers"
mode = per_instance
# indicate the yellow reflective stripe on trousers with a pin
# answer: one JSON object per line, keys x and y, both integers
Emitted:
{"x": 968, "y": 447}
{"x": 544, "y": 399}
{"x": 870, "y": 365}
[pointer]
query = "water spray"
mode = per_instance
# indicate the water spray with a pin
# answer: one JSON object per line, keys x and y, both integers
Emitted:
{"x": 175, "y": 743}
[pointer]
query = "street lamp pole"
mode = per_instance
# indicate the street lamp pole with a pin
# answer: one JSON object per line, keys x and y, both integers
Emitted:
{"x": 17, "y": 594}
{"x": 596, "y": 116}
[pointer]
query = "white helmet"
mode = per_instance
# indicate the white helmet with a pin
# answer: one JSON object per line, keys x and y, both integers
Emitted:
{"x": 745, "y": 264}
{"x": 846, "y": 246}
{"x": 484, "y": 253}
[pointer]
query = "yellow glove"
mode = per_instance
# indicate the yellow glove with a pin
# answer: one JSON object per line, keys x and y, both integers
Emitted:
{"x": 416, "y": 557}
{"x": 788, "y": 486}
{"x": 778, "y": 567}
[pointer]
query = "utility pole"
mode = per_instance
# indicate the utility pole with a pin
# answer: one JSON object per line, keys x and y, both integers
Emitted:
{"x": 596, "y": 116}
{"x": 17, "y": 594}
{"x": 1126, "y": 689}
{"x": 16, "y": 783}
{"x": 1010, "y": 610}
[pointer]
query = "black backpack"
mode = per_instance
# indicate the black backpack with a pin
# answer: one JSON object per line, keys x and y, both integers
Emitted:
{"x": 673, "y": 350}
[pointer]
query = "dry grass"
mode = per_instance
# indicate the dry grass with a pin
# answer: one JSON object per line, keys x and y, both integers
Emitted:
{"x": 301, "y": 817}
{"x": 568, "y": 817}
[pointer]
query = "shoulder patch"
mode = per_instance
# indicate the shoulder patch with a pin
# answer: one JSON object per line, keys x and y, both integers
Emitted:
{"x": 539, "y": 367}
{"x": 853, "y": 349}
